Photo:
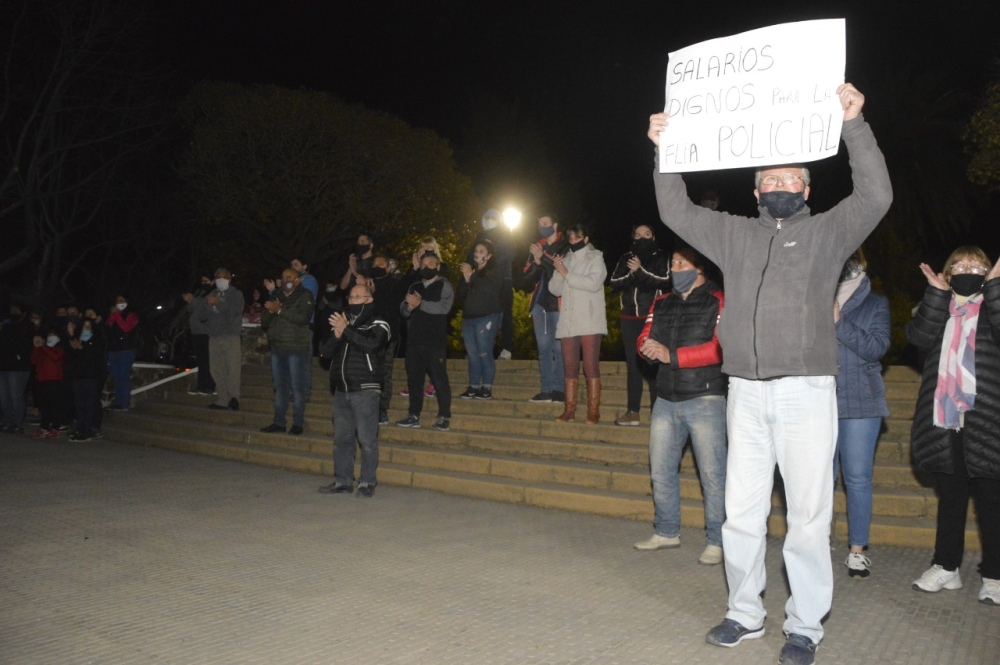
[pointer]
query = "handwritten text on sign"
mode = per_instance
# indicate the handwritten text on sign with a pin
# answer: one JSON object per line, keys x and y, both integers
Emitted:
{"x": 762, "y": 97}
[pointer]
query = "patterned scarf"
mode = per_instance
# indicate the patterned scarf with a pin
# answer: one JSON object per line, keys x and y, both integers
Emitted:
{"x": 956, "y": 385}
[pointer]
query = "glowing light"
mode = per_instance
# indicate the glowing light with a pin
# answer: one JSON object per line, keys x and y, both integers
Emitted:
{"x": 512, "y": 218}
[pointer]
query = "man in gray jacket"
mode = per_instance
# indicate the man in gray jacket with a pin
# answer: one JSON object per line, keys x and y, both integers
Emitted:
{"x": 222, "y": 311}
{"x": 780, "y": 349}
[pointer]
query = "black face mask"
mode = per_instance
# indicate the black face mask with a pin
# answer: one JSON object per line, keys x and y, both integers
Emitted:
{"x": 361, "y": 250}
{"x": 355, "y": 310}
{"x": 781, "y": 204}
{"x": 428, "y": 273}
{"x": 967, "y": 285}
{"x": 577, "y": 246}
{"x": 379, "y": 273}
{"x": 643, "y": 248}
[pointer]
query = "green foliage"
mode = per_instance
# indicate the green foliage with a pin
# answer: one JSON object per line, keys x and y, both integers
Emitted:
{"x": 275, "y": 171}
{"x": 983, "y": 138}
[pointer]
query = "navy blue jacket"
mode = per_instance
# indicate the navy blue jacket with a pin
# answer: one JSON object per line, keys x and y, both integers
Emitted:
{"x": 862, "y": 339}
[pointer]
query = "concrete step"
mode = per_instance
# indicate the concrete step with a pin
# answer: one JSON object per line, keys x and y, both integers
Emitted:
{"x": 512, "y": 450}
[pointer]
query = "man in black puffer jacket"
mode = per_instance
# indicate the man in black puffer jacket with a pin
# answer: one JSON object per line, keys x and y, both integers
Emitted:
{"x": 680, "y": 336}
{"x": 355, "y": 346}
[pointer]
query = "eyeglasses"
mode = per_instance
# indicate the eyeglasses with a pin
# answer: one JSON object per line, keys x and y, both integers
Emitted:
{"x": 785, "y": 178}
{"x": 968, "y": 269}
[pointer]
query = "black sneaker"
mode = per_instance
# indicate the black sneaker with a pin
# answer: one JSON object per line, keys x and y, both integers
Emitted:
{"x": 234, "y": 404}
{"x": 365, "y": 491}
{"x": 558, "y": 396}
{"x": 383, "y": 418}
{"x": 442, "y": 424}
{"x": 272, "y": 428}
{"x": 798, "y": 650}
{"x": 295, "y": 430}
{"x": 78, "y": 437}
{"x": 334, "y": 488}
{"x": 470, "y": 393}
{"x": 484, "y": 393}
{"x": 729, "y": 633}
{"x": 409, "y": 421}
{"x": 541, "y": 398}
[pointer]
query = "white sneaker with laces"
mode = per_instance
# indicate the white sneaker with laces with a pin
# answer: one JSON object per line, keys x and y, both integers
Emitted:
{"x": 936, "y": 578}
{"x": 658, "y": 542}
{"x": 990, "y": 593}
{"x": 858, "y": 565}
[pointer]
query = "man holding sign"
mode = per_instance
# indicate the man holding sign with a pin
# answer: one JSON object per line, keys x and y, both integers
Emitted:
{"x": 780, "y": 351}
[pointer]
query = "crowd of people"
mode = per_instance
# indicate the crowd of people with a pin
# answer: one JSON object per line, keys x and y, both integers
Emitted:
{"x": 782, "y": 368}
{"x": 53, "y": 368}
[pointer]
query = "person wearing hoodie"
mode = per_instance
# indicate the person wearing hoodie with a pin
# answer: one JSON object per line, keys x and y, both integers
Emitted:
{"x": 15, "y": 368}
{"x": 642, "y": 274}
{"x": 286, "y": 319}
{"x": 578, "y": 279}
{"x": 355, "y": 345}
{"x": 85, "y": 369}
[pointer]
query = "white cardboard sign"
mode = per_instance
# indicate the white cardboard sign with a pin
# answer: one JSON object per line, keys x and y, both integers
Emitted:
{"x": 762, "y": 97}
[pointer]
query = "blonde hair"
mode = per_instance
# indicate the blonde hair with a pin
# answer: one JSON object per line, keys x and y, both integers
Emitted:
{"x": 966, "y": 252}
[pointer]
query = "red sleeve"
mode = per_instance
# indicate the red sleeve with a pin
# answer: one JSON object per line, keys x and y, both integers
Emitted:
{"x": 126, "y": 324}
{"x": 707, "y": 353}
{"x": 649, "y": 322}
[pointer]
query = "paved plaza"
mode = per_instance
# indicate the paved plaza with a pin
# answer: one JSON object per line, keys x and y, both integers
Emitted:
{"x": 121, "y": 554}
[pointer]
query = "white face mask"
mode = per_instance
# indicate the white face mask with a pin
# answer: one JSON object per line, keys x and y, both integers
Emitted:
{"x": 289, "y": 286}
{"x": 221, "y": 283}
{"x": 51, "y": 340}
{"x": 121, "y": 306}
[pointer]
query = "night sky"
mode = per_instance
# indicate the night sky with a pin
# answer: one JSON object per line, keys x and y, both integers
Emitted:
{"x": 585, "y": 75}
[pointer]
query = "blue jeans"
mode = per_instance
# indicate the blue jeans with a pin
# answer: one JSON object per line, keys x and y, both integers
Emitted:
{"x": 550, "y": 358}
{"x": 792, "y": 422}
{"x": 13, "y": 402}
{"x": 704, "y": 420}
{"x": 290, "y": 373}
{"x": 479, "y": 334}
{"x": 856, "y": 440}
{"x": 120, "y": 363}
{"x": 355, "y": 417}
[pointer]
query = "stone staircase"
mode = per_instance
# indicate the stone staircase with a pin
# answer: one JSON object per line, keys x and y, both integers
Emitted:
{"x": 509, "y": 449}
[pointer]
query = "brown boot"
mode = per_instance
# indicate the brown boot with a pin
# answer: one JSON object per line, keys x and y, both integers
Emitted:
{"x": 593, "y": 401}
{"x": 571, "y": 386}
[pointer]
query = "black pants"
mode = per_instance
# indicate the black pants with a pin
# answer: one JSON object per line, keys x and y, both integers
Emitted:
{"x": 429, "y": 360}
{"x": 205, "y": 382}
{"x": 953, "y": 490}
{"x": 387, "y": 357}
{"x": 639, "y": 371}
{"x": 53, "y": 399}
{"x": 87, "y": 398}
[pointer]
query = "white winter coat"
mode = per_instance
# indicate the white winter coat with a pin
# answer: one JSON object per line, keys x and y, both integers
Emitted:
{"x": 581, "y": 310}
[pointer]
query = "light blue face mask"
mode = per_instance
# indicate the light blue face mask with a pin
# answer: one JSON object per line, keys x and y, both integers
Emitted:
{"x": 86, "y": 335}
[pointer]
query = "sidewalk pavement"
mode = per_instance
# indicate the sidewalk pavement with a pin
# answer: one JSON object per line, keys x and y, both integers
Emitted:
{"x": 118, "y": 554}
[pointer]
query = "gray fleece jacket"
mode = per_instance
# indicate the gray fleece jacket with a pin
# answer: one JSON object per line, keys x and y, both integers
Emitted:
{"x": 781, "y": 277}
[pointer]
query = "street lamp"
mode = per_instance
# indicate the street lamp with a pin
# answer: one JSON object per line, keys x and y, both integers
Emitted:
{"x": 512, "y": 218}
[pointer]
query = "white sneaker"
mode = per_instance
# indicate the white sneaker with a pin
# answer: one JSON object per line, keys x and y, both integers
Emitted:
{"x": 658, "y": 542}
{"x": 936, "y": 578}
{"x": 858, "y": 565}
{"x": 712, "y": 556}
{"x": 505, "y": 355}
{"x": 990, "y": 593}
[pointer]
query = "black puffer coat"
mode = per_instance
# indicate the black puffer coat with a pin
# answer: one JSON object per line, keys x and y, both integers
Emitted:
{"x": 930, "y": 445}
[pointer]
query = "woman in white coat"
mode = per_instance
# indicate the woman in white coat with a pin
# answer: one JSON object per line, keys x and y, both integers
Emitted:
{"x": 579, "y": 281}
